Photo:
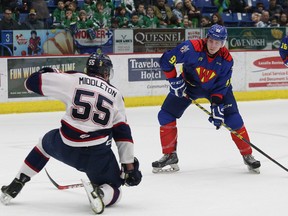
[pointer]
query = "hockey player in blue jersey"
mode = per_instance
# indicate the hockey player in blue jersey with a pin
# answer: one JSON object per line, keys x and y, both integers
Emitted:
{"x": 283, "y": 50}
{"x": 206, "y": 73}
{"x": 95, "y": 114}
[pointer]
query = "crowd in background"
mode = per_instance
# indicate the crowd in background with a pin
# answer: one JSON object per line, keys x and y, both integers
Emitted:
{"x": 96, "y": 14}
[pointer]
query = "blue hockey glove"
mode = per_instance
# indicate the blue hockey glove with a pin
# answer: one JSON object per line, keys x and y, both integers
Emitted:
{"x": 132, "y": 177}
{"x": 177, "y": 86}
{"x": 217, "y": 115}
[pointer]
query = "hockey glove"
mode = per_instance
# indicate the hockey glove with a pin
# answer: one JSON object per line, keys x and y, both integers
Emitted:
{"x": 131, "y": 177}
{"x": 217, "y": 115}
{"x": 177, "y": 86}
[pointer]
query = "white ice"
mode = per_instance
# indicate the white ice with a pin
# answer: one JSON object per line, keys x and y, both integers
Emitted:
{"x": 212, "y": 179}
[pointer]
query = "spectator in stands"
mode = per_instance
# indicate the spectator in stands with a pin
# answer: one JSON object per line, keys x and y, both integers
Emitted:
{"x": 140, "y": 10}
{"x": 86, "y": 24}
{"x": 274, "y": 9}
{"x": 73, "y": 7}
{"x": 186, "y": 22}
{"x": 216, "y": 19}
{"x": 121, "y": 17}
{"x": 193, "y": 13}
{"x": 89, "y": 6}
{"x": 129, "y": 6}
{"x": 134, "y": 21}
{"x": 163, "y": 13}
{"x": 69, "y": 20}
{"x": 274, "y": 22}
{"x": 283, "y": 20}
{"x": 256, "y": 18}
{"x": 58, "y": 14}
{"x": 150, "y": 20}
{"x": 174, "y": 23}
{"x": 109, "y": 7}
{"x": 7, "y": 22}
{"x": 265, "y": 18}
{"x": 222, "y": 5}
{"x": 83, "y": 22}
{"x": 15, "y": 14}
{"x": 32, "y": 22}
{"x": 100, "y": 18}
{"x": 205, "y": 22}
{"x": 67, "y": 2}
{"x": 178, "y": 10}
{"x": 259, "y": 7}
{"x": 41, "y": 7}
{"x": 239, "y": 6}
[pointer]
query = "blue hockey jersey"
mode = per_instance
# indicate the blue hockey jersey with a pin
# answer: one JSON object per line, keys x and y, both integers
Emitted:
{"x": 205, "y": 76}
{"x": 283, "y": 50}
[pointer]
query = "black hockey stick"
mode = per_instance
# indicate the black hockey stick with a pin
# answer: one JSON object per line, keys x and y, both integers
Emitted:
{"x": 63, "y": 187}
{"x": 241, "y": 137}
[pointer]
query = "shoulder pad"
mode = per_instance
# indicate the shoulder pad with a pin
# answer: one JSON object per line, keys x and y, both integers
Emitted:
{"x": 198, "y": 45}
{"x": 225, "y": 54}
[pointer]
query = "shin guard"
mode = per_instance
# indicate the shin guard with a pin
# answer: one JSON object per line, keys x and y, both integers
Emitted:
{"x": 168, "y": 137}
{"x": 243, "y": 147}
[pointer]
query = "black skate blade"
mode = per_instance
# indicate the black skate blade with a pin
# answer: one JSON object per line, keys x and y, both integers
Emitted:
{"x": 166, "y": 169}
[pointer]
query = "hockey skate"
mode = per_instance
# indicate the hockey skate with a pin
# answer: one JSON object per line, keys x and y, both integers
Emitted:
{"x": 252, "y": 164}
{"x": 11, "y": 191}
{"x": 166, "y": 164}
{"x": 95, "y": 195}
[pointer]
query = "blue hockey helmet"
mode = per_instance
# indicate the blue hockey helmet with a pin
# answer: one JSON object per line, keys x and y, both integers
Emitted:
{"x": 99, "y": 65}
{"x": 217, "y": 32}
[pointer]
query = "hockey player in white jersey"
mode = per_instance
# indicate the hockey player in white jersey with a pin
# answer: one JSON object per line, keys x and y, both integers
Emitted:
{"x": 95, "y": 114}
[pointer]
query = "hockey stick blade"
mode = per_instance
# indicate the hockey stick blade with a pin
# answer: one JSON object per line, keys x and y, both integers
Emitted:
{"x": 63, "y": 187}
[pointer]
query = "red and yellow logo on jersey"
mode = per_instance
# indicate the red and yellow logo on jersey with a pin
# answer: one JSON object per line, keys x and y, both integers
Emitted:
{"x": 204, "y": 74}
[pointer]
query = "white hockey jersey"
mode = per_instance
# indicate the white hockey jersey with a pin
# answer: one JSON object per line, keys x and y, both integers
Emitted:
{"x": 94, "y": 110}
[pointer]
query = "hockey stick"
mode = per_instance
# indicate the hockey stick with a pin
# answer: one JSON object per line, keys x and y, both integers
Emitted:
{"x": 240, "y": 137}
{"x": 63, "y": 187}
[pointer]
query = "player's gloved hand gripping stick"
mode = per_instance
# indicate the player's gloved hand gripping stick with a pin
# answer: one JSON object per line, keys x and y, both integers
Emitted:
{"x": 177, "y": 86}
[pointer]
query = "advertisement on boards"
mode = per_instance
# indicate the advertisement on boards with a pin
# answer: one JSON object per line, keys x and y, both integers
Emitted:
{"x": 266, "y": 72}
{"x": 157, "y": 40}
{"x": 60, "y": 42}
{"x": 18, "y": 71}
{"x": 123, "y": 41}
{"x": 255, "y": 38}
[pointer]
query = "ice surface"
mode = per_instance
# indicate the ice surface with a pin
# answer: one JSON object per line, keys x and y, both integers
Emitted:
{"x": 212, "y": 180}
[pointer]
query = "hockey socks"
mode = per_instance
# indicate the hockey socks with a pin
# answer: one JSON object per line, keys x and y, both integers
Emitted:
{"x": 34, "y": 162}
{"x": 243, "y": 147}
{"x": 168, "y": 137}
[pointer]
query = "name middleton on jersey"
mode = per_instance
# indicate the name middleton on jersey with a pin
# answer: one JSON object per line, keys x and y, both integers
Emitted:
{"x": 97, "y": 83}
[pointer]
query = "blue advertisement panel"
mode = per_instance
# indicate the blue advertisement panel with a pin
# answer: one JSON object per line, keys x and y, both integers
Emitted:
{"x": 144, "y": 69}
